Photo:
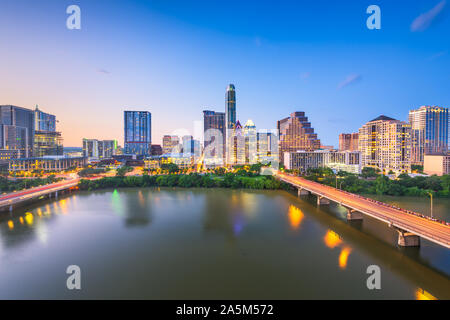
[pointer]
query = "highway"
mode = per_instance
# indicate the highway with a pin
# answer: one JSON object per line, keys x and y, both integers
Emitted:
{"x": 19, "y": 196}
{"x": 432, "y": 230}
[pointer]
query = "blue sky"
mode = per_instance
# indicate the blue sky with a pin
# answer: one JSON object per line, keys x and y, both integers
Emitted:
{"x": 176, "y": 58}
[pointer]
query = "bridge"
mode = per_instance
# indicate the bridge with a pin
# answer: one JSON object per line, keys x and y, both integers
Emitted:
{"x": 410, "y": 226}
{"x": 9, "y": 201}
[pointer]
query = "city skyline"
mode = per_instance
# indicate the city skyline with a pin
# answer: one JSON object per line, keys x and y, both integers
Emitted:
{"x": 297, "y": 63}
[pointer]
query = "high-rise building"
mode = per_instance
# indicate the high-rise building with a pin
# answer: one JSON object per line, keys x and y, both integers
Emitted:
{"x": 429, "y": 125}
{"x": 296, "y": 134}
{"x": 99, "y": 149}
{"x": 47, "y": 141}
{"x": 138, "y": 132}
{"x": 171, "y": 144}
{"x": 156, "y": 150}
{"x": 191, "y": 146}
{"x": 348, "y": 141}
{"x": 214, "y": 128}
{"x": 236, "y": 152}
{"x": 230, "y": 106}
{"x": 385, "y": 143}
{"x": 267, "y": 146}
{"x": 250, "y": 135}
{"x": 17, "y": 126}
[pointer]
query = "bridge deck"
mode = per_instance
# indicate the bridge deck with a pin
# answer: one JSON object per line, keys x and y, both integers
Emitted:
{"x": 423, "y": 227}
{"x": 20, "y": 196}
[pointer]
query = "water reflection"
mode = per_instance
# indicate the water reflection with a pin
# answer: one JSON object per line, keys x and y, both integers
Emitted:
{"x": 424, "y": 295}
{"x": 343, "y": 257}
{"x": 295, "y": 216}
{"x": 332, "y": 239}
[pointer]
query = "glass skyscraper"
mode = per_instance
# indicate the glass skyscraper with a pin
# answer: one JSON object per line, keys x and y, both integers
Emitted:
{"x": 138, "y": 132}
{"x": 230, "y": 106}
{"x": 429, "y": 126}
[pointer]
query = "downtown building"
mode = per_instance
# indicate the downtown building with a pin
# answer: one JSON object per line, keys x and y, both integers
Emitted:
{"x": 99, "y": 149}
{"x": 214, "y": 134}
{"x": 296, "y": 134}
{"x": 302, "y": 161}
{"x": 429, "y": 132}
{"x": 47, "y": 141}
{"x": 349, "y": 141}
{"x": 137, "y": 132}
{"x": 171, "y": 144}
{"x": 385, "y": 143}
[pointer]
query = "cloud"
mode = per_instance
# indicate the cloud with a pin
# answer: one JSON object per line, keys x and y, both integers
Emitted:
{"x": 353, "y": 78}
{"x": 103, "y": 71}
{"x": 437, "y": 55}
{"x": 425, "y": 20}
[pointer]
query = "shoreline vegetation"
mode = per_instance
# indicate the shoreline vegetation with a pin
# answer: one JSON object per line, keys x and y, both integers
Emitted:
{"x": 372, "y": 182}
{"x": 243, "y": 177}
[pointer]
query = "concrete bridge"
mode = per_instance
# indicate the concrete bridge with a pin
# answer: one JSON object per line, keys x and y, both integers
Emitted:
{"x": 9, "y": 201}
{"x": 410, "y": 227}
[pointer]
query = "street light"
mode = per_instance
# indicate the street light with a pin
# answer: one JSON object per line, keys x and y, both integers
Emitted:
{"x": 431, "y": 203}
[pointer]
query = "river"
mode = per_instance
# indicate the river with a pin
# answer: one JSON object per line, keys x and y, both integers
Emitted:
{"x": 210, "y": 244}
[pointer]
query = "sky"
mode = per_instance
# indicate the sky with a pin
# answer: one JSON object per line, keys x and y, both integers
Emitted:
{"x": 176, "y": 58}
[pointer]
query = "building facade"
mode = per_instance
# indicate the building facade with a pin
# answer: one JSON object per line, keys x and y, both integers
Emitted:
{"x": 17, "y": 127}
{"x": 138, "y": 132}
{"x": 385, "y": 143}
{"x": 171, "y": 144}
{"x": 296, "y": 134}
{"x": 429, "y": 126}
{"x": 99, "y": 149}
{"x": 348, "y": 141}
{"x": 438, "y": 164}
{"x": 47, "y": 141}
{"x": 348, "y": 161}
{"x": 214, "y": 136}
{"x": 49, "y": 163}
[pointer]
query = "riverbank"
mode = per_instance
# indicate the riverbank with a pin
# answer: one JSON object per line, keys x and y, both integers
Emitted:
{"x": 193, "y": 180}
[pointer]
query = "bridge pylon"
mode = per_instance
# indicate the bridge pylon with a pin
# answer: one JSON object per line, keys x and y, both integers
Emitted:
{"x": 322, "y": 200}
{"x": 354, "y": 215}
{"x": 303, "y": 192}
{"x": 407, "y": 239}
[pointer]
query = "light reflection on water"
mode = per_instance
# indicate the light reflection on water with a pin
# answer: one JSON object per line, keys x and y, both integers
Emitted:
{"x": 237, "y": 239}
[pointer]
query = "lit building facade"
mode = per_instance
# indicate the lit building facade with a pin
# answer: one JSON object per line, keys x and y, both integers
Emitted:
{"x": 429, "y": 126}
{"x": 385, "y": 143}
{"x": 348, "y": 141}
{"x": 251, "y": 142}
{"x": 171, "y": 144}
{"x": 296, "y": 134}
{"x": 138, "y": 132}
{"x": 47, "y": 141}
{"x": 49, "y": 163}
{"x": 348, "y": 161}
{"x": 214, "y": 136}
{"x": 267, "y": 146}
{"x": 99, "y": 149}
{"x": 236, "y": 147}
{"x": 17, "y": 128}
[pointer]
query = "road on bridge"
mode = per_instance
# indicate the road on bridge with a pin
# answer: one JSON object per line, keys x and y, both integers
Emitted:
{"x": 429, "y": 229}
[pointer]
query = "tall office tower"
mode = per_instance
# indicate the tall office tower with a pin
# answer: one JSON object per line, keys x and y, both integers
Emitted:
{"x": 296, "y": 133}
{"x": 138, "y": 132}
{"x": 236, "y": 152}
{"x": 171, "y": 144}
{"x": 107, "y": 148}
{"x": 385, "y": 143}
{"x": 214, "y": 128}
{"x": 429, "y": 126}
{"x": 47, "y": 141}
{"x": 191, "y": 146}
{"x": 348, "y": 141}
{"x": 90, "y": 148}
{"x": 230, "y": 106}
{"x": 17, "y": 127}
{"x": 250, "y": 136}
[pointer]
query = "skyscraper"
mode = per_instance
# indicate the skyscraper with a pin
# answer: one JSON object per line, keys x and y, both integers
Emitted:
{"x": 17, "y": 126}
{"x": 230, "y": 106}
{"x": 348, "y": 141}
{"x": 47, "y": 141}
{"x": 385, "y": 143}
{"x": 214, "y": 127}
{"x": 236, "y": 152}
{"x": 171, "y": 144}
{"x": 429, "y": 125}
{"x": 295, "y": 134}
{"x": 138, "y": 132}
{"x": 250, "y": 136}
